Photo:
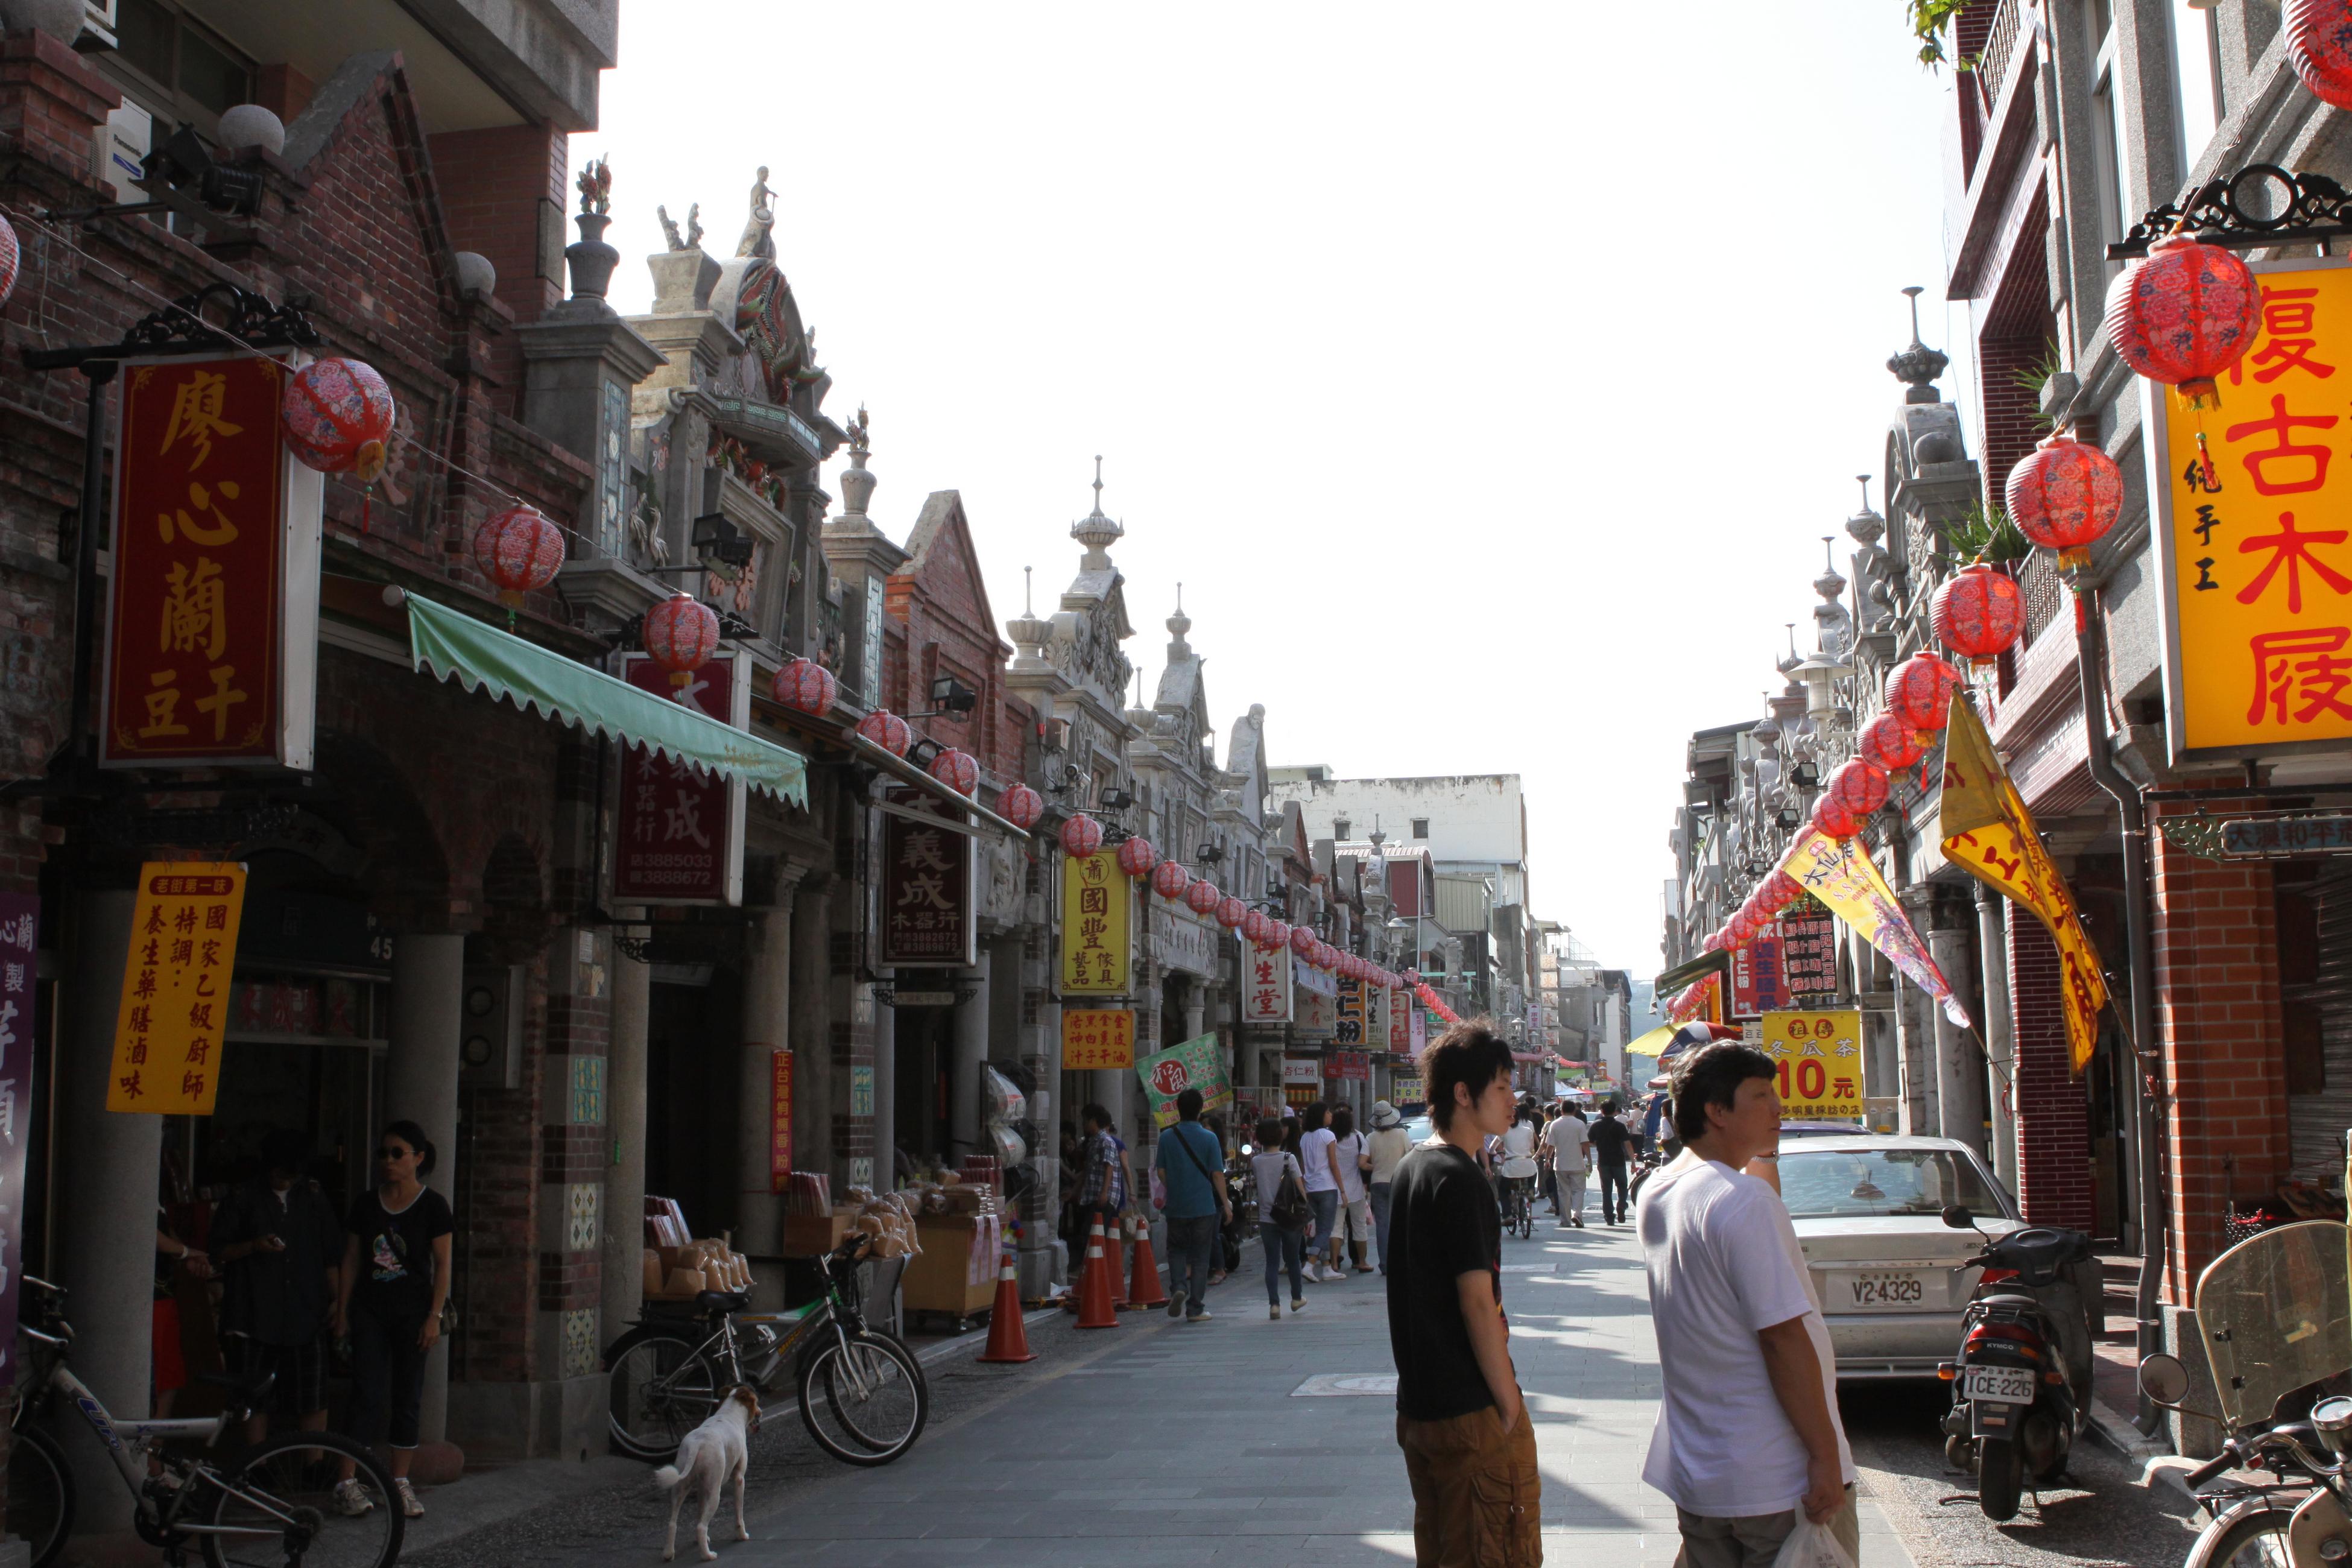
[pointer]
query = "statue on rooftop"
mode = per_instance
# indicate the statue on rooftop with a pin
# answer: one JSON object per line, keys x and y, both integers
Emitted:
{"x": 759, "y": 237}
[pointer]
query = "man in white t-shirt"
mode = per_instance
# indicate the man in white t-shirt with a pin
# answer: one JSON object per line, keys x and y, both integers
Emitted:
{"x": 1747, "y": 1432}
{"x": 1572, "y": 1160}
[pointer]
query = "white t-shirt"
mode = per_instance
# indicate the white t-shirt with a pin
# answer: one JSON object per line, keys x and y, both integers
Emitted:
{"x": 1351, "y": 1178}
{"x": 1724, "y": 1264}
{"x": 1571, "y": 1145}
{"x": 1387, "y": 1147}
{"x": 1318, "y": 1164}
{"x": 1518, "y": 1150}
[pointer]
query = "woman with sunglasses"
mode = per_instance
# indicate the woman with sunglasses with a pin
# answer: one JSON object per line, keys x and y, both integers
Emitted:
{"x": 388, "y": 1304}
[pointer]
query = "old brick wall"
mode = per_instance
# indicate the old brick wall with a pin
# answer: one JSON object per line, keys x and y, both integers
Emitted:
{"x": 2054, "y": 1110}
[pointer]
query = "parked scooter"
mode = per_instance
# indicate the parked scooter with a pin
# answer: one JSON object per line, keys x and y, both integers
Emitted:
{"x": 2275, "y": 1314}
{"x": 2019, "y": 1397}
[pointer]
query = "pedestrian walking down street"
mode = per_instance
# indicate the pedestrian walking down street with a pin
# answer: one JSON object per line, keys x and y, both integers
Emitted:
{"x": 1350, "y": 1153}
{"x": 1193, "y": 1164}
{"x": 1613, "y": 1142}
{"x": 1103, "y": 1192}
{"x": 280, "y": 1248}
{"x": 1387, "y": 1144}
{"x": 1322, "y": 1168}
{"x": 1748, "y": 1434}
{"x": 1284, "y": 1215}
{"x": 1469, "y": 1447}
{"x": 394, "y": 1281}
{"x": 1570, "y": 1142}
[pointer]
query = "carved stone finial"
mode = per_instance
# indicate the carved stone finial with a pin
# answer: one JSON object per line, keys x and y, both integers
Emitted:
{"x": 1919, "y": 365}
{"x": 857, "y": 484}
{"x": 1866, "y": 527}
{"x": 1095, "y": 530}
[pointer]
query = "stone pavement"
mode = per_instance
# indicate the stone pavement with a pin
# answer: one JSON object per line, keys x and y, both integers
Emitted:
{"x": 1194, "y": 1444}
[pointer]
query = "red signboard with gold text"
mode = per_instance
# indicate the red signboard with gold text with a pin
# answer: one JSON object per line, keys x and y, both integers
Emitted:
{"x": 681, "y": 831}
{"x": 213, "y": 601}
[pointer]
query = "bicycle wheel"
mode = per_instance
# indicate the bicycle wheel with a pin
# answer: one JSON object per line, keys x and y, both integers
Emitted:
{"x": 40, "y": 1494}
{"x": 661, "y": 1388}
{"x": 2257, "y": 1541}
{"x": 277, "y": 1509}
{"x": 864, "y": 1400}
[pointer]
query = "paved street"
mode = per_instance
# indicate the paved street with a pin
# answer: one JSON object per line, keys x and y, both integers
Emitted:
{"x": 1160, "y": 1444}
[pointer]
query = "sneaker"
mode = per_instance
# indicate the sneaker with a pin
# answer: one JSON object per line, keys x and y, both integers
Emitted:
{"x": 409, "y": 1507}
{"x": 1202, "y": 1316}
{"x": 351, "y": 1500}
{"x": 1298, "y": 1303}
{"x": 1176, "y": 1307}
{"x": 1274, "y": 1310}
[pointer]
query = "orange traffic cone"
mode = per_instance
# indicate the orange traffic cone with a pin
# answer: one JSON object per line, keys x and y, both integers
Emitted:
{"x": 1008, "y": 1337}
{"x": 1145, "y": 1291}
{"x": 1094, "y": 1309}
{"x": 1114, "y": 1257}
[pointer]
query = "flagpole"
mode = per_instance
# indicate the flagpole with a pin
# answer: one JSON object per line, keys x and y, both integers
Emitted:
{"x": 2146, "y": 1062}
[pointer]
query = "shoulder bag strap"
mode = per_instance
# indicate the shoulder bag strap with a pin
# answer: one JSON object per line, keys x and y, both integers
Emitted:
{"x": 1185, "y": 1144}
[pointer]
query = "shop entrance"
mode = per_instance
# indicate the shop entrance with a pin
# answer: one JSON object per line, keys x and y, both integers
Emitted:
{"x": 691, "y": 1093}
{"x": 920, "y": 1102}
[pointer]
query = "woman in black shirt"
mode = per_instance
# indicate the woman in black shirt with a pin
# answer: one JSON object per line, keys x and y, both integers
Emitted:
{"x": 388, "y": 1303}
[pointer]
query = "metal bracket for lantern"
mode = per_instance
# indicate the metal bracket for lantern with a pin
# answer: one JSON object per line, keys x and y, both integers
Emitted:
{"x": 2261, "y": 204}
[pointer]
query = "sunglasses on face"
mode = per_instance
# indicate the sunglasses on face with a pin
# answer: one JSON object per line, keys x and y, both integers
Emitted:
{"x": 394, "y": 1154}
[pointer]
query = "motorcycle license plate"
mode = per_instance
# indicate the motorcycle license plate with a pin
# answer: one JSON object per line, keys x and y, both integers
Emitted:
{"x": 1999, "y": 1385}
{"x": 1886, "y": 1289}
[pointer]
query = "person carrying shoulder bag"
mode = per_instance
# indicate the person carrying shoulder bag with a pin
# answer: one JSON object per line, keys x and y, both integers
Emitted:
{"x": 1284, "y": 1217}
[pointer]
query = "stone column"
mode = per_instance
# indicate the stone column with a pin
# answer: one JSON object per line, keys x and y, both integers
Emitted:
{"x": 1959, "y": 1065}
{"x": 970, "y": 1051}
{"x": 886, "y": 1098}
{"x": 767, "y": 1001}
{"x": 624, "y": 1114}
{"x": 108, "y": 1164}
{"x": 428, "y": 990}
{"x": 1999, "y": 1025}
{"x": 811, "y": 1049}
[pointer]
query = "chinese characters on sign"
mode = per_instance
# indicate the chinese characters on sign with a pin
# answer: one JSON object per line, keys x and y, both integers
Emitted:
{"x": 681, "y": 831}
{"x": 2307, "y": 834}
{"x": 1265, "y": 993}
{"x": 2258, "y": 551}
{"x": 928, "y": 912}
{"x": 1378, "y": 1011}
{"x": 1195, "y": 1064}
{"x": 1347, "y": 1065}
{"x": 1350, "y": 1029}
{"x": 1793, "y": 956}
{"x": 20, "y": 925}
{"x": 780, "y": 1120}
{"x": 1404, "y": 1089}
{"x": 1819, "y": 1058}
{"x": 1096, "y": 897}
{"x": 167, "y": 1032}
{"x": 213, "y": 600}
{"x": 1098, "y": 1038}
{"x": 1178, "y": 942}
{"x": 1401, "y": 1025}
{"x": 1841, "y": 874}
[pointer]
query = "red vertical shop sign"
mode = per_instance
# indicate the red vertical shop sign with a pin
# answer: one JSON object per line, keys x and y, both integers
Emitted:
{"x": 780, "y": 1123}
{"x": 213, "y": 595}
{"x": 681, "y": 835}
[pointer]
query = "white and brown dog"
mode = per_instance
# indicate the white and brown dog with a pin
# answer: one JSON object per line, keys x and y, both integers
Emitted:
{"x": 714, "y": 1454}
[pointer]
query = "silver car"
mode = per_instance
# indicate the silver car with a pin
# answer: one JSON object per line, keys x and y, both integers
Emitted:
{"x": 1869, "y": 1215}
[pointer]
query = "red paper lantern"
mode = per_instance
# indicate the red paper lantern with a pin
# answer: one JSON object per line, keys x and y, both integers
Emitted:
{"x": 890, "y": 733}
{"x": 2064, "y": 496}
{"x": 1231, "y": 912}
{"x": 960, "y": 771}
{"x": 8, "y": 261}
{"x": 1137, "y": 856}
{"x": 1833, "y": 820}
{"x": 1021, "y": 806}
{"x": 1303, "y": 942}
{"x": 2185, "y": 315}
{"x": 337, "y": 416}
{"x": 1713, "y": 942}
{"x": 1169, "y": 879}
{"x": 1859, "y": 787}
{"x": 807, "y": 687}
{"x": 1203, "y": 897}
{"x": 1324, "y": 957}
{"x": 1081, "y": 836}
{"x": 1979, "y": 612}
{"x": 1919, "y": 691}
{"x": 1780, "y": 890}
{"x": 1740, "y": 928}
{"x": 2319, "y": 43}
{"x": 681, "y": 634}
{"x": 1888, "y": 741}
{"x": 1257, "y": 928}
{"x": 518, "y": 549}
{"x": 1278, "y": 937}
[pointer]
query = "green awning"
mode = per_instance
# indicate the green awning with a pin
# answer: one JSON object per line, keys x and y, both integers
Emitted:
{"x": 455, "y": 647}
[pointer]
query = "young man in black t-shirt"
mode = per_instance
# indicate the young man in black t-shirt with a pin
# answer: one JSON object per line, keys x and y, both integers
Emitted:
{"x": 1612, "y": 1141}
{"x": 1460, "y": 1418}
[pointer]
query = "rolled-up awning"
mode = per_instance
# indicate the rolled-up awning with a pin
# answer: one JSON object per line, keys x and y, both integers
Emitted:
{"x": 451, "y": 645}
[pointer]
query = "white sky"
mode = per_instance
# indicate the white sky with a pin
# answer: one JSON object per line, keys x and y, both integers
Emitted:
{"x": 1487, "y": 374}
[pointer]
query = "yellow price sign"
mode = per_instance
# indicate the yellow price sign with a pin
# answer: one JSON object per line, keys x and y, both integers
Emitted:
{"x": 167, "y": 1031}
{"x": 1819, "y": 1056}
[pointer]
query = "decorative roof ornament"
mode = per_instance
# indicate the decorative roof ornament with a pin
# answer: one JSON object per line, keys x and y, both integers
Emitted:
{"x": 1919, "y": 365}
{"x": 692, "y": 239}
{"x": 857, "y": 484}
{"x": 1096, "y": 532}
{"x": 595, "y": 185}
{"x": 1178, "y": 625}
{"x": 759, "y": 231}
{"x": 1866, "y": 527}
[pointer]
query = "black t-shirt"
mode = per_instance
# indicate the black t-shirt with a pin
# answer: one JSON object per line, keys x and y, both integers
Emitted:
{"x": 1442, "y": 1224}
{"x": 1610, "y": 1136}
{"x": 396, "y": 1253}
{"x": 278, "y": 1297}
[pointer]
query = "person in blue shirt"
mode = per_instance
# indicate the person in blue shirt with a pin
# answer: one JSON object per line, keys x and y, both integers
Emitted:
{"x": 1193, "y": 1166}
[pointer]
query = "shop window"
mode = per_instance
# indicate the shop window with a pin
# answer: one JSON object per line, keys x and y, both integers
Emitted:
{"x": 1421, "y": 827}
{"x": 174, "y": 69}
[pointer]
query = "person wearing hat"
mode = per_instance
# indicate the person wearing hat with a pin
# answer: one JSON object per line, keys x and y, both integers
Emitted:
{"x": 1386, "y": 1146}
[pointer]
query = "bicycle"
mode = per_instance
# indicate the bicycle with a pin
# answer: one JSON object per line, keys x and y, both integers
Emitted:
{"x": 862, "y": 1394}
{"x": 273, "y": 1508}
{"x": 1519, "y": 1207}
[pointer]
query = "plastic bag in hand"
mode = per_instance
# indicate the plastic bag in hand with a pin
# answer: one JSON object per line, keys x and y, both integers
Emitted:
{"x": 1812, "y": 1545}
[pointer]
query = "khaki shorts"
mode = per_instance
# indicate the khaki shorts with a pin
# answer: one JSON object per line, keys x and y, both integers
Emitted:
{"x": 1754, "y": 1542}
{"x": 1476, "y": 1496}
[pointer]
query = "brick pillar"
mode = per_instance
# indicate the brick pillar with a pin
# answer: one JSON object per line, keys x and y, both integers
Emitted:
{"x": 2054, "y": 1110}
{"x": 49, "y": 103}
{"x": 2224, "y": 1103}
{"x": 504, "y": 193}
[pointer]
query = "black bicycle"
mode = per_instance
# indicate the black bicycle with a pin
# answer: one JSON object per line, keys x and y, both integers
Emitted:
{"x": 862, "y": 1393}
{"x": 270, "y": 1507}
